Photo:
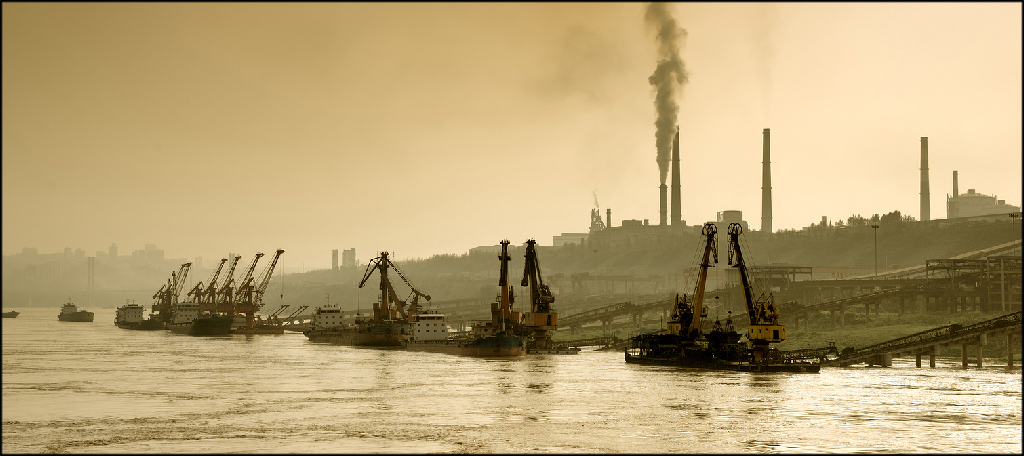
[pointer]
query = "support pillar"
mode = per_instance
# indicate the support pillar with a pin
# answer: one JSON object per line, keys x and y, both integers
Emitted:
{"x": 1009, "y": 349}
{"x": 918, "y": 359}
{"x": 842, "y": 316}
{"x": 932, "y": 355}
{"x": 979, "y": 355}
{"x": 963, "y": 355}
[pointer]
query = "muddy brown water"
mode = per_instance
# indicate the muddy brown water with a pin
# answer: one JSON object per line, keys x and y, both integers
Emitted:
{"x": 96, "y": 388}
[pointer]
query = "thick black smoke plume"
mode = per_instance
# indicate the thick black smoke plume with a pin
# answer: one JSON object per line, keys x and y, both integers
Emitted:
{"x": 668, "y": 77}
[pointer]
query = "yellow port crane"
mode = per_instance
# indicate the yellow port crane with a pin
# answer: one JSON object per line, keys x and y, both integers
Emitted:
{"x": 541, "y": 317}
{"x": 761, "y": 313}
{"x": 382, "y": 310}
{"x": 687, "y": 316}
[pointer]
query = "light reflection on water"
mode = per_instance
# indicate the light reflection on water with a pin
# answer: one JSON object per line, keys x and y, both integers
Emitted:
{"x": 92, "y": 387}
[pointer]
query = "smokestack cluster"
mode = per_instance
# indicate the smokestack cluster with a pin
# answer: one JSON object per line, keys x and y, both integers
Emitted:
{"x": 676, "y": 217}
{"x": 669, "y": 76}
{"x": 925, "y": 199}
{"x": 766, "y": 182}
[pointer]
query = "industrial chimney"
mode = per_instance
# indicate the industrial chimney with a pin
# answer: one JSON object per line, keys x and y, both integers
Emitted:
{"x": 609, "y": 221}
{"x": 766, "y": 183}
{"x": 676, "y": 217}
{"x": 956, "y": 185}
{"x": 925, "y": 200}
{"x": 664, "y": 205}
{"x": 953, "y": 206}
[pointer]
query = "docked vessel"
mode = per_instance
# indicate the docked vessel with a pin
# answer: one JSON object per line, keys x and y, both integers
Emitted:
{"x": 682, "y": 342}
{"x": 130, "y": 316}
{"x": 429, "y": 332}
{"x": 499, "y": 336}
{"x": 187, "y": 320}
{"x": 71, "y": 313}
{"x": 11, "y": 314}
{"x": 387, "y": 327}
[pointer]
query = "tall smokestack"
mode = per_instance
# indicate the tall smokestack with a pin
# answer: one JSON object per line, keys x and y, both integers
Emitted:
{"x": 664, "y": 205}
{"x": 676, "y": 218}
{"x": 609, "y": 224}
{"x": 925, "y": 199}
{"x": 956, "y": 186}
{"x": 954, "y": 203}
{"x": 766, "y": 183}
{"x": 668, "y": 79}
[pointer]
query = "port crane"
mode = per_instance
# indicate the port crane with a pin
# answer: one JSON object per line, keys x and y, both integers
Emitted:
{"x": 199, "y": 292}
{"x": 225, "y": 294}
{"x": 541, "y": 317}
{"x": 502, "y": 318}
{"x": 166, "y": 298}
{"x": 245, "y": 282}
{"x": 250, "y": 297}
{"x": 687, "y": 315}
{"x": 762, "y": 315}
{"x": 382, "y": 310}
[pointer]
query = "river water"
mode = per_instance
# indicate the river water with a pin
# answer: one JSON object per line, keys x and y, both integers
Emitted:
{"x": 95, "y": 388}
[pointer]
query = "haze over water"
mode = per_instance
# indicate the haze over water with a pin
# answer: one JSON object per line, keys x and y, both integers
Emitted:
{"x": 95, "y": 388}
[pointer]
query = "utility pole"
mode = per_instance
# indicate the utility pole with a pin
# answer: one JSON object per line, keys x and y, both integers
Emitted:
{"x": 875, "y": 226}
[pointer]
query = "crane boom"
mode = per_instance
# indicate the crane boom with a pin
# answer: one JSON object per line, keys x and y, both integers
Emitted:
{"x": 540, "y": 295}
{"x": 211, "y": 288}
{"x": 264, "y": 279}
{"x": 246, "y": 282}
{"x": 381, "y": 310}
{"x": 762, "y": 315}
{"x": 225, "y": 292}
{"x": 179, "y": 281}
{"x": 710, "y": 232}
{"x": 387, "y": 290}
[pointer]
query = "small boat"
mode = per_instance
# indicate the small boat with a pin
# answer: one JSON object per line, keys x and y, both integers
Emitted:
{"x": 71, "y": 313}
{"x": 11, "y": 314}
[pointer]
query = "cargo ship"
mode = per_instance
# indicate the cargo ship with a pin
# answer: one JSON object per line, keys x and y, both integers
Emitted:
{"x": 130, "y": 316}
{"x": 71, "y": 313}
{"x": 499, "y": 336}
{"x": 186, "y": 319}
{"x": 682, "y": 342}
{"x": 388, "y": 326}
{"x": 11, "y": 314}
{"x": 429, "y": 332}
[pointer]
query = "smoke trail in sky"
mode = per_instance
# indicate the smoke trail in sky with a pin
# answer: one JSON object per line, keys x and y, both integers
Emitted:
{"x": 668, "y": 77}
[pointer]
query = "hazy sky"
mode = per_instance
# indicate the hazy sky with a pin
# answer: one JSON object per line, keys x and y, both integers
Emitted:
{"x": 434, "y": 128}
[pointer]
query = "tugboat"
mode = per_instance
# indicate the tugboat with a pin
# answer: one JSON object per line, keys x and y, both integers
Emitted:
{"x": 71, "y": 313}
{"x": 130, "y": 316}
{"x": 388, "y": 326}
{"x": 682, "y": 343}
{"x": 11, "y": 314}
{"x": 497, "y": 337}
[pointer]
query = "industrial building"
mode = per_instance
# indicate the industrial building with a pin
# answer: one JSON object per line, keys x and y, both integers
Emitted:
{"x": 973, "y": 204}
